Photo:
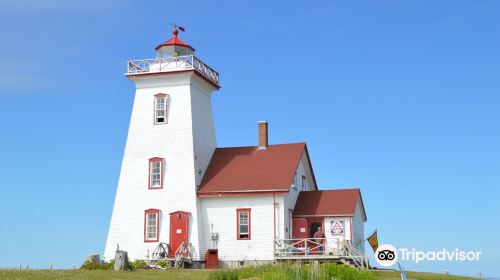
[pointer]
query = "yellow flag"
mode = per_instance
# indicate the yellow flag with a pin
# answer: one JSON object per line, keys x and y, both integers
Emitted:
{"x": 373, "y": 240}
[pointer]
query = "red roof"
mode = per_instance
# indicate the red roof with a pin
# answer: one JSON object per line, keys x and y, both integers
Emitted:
{"x": 174, "y": 41}
{"x": 250, "y": 169}
{"x": 328, "y": 203}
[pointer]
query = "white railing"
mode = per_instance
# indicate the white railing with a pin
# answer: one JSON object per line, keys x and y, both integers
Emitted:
{"x": 359, "y": 259}
{"x": 183, "y": 254}
{"x": 319, "y": 248}
{"x": 169, "y": 64}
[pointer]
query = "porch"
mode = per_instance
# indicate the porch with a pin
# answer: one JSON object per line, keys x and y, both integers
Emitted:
{"x": 321, "y": 250}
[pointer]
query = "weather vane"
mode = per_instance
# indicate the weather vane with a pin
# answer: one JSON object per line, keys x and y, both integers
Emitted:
{"x": 178, "y": 27}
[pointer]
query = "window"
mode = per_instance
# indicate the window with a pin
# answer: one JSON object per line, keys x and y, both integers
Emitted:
{"x": 151, "y": 225}
{"x": 160, "y": 108}
{"x": 304, "y": 183}
{"x": 156, "y": 173}
{"x": 243, "y": 224}
{"x": 294, "y": 182}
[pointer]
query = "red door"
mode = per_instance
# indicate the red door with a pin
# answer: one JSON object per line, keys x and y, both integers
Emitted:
{"x": 179, "y": 222}
{"x": 300, "y": 231}
{"x": 300, "y": 228}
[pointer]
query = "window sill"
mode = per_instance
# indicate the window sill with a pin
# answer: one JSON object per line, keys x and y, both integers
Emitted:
{"x": 149, "y": 241}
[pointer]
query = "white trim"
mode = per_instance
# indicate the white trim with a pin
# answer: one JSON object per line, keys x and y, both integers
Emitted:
{"x": 148, "y": 226}
{"x": 157, "y": 110}
{"x": 327, "y": 215}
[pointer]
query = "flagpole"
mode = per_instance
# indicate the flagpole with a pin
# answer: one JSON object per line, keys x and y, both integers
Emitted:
{"x": 403, "y": 272}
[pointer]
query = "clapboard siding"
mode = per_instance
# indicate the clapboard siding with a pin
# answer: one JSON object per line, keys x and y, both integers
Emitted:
{"x": 221, "y": 214}
{"x": 358, "y": 228}
{"x": 290, "y": 199}
{"x": 178, "y": 142}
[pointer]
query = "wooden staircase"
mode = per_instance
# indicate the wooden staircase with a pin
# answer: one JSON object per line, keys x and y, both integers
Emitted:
{"x": 354, "y": 258}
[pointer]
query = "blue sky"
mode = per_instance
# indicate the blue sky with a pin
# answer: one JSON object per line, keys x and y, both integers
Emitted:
{"x": 400, "y": 98}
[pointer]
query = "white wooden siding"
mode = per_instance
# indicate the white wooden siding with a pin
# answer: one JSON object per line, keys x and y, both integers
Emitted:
{"x": 354, "y": 224}
{"x": 221, "y": 214}
{"x": 332, "y": 238}
{"x": 358, "y": 225}
{"x": 290, "y": 199}
{"x": 178, "y": 142}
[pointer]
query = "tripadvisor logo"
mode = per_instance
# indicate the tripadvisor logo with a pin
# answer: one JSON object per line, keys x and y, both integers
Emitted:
{"x": 388, "y": 255}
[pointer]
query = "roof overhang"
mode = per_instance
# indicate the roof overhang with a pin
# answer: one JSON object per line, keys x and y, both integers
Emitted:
{"x": 154, "y": 74}
{"x": 241, "y": 193}
{"x": 323, "y": 215}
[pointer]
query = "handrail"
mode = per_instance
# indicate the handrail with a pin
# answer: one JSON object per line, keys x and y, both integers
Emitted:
{"x": 169, "y": 64}
{"x": 359, "y": 259}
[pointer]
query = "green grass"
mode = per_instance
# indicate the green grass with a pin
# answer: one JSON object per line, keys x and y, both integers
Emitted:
{"x": 252, "y": 273}
{"x": 394, "y": 275}
{"x": 78, "y": 274}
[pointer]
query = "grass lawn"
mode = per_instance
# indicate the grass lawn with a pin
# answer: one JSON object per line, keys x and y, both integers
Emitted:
{"x": 78, "y": 274}
{"x": 171, "y": 274}
{"x": 394, "y": 275}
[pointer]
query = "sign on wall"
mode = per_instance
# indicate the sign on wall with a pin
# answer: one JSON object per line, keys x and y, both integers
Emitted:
{"x": 337, "y": 227}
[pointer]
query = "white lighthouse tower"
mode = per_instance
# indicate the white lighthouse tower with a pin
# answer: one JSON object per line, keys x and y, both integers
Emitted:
{"x": 170, "y": 143}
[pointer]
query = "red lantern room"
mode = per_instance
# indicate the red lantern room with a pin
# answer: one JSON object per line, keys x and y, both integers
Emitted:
{"x": 174, "y": 46}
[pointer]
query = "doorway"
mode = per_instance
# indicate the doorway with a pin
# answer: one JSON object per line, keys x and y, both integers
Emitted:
{"x": 313, "y": 227}
{"x": 179, "y": 230}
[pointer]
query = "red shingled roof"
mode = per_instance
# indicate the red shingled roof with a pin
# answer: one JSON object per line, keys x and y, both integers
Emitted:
{"x": 250, "y": 169}
{"x": 328, "y": 203}
{"x": 174, "y": 41}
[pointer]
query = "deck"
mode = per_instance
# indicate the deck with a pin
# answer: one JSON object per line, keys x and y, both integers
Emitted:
{"x": 172, "y": 64}
{"x": 320, "y": 249}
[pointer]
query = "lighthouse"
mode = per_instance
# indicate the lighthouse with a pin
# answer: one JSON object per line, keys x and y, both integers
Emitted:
{"x": 170, "y": 143}
{"x": 182, "y": 199}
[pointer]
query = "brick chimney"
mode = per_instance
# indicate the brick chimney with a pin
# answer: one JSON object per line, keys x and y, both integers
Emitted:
{"x": 263, "y": 139}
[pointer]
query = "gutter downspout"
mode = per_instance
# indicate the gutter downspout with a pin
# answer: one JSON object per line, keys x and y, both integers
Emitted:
{"x": 274, "y": 214}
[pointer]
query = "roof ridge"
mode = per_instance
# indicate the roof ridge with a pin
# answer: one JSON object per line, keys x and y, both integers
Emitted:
{"x": 256, "y": 146}
{"x": 349, "y": 189}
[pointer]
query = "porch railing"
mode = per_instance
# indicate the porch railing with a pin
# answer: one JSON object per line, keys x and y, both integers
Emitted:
{"x": 319, "y": 248}
{"x": 169, "y": 64}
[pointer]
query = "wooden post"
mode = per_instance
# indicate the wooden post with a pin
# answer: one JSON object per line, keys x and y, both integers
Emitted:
{"x": 93, "y": 258}
{"x": 338, "y": 247}
{"x": 306, "y": 248}
{"x": 121, "y": 260}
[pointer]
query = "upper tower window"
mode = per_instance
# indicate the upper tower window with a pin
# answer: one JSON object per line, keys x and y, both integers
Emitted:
{"x": 160, "y": 108}
{"x": 156, "y": 173}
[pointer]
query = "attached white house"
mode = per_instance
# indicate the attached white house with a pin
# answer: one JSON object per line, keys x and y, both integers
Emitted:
{"x": 180, "y": 195}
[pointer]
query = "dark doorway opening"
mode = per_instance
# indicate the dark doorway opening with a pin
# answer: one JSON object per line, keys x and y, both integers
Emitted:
{"x": 313, "y": 228}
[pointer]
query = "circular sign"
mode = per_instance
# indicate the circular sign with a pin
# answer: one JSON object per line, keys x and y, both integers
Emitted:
{"x": 386, "y": 255}
{"x": 337, "y": 227}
